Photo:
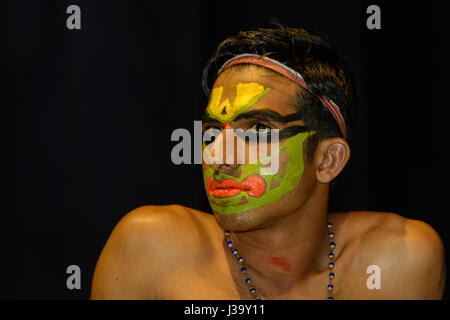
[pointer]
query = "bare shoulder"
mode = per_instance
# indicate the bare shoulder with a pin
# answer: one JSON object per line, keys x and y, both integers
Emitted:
{"x": 409, "y": 254}
{"x": 160, "y": 226}
{"x": 144, "y": 246}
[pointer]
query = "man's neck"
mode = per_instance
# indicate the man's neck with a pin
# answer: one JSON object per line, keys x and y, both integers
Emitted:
{"x": 287, "y": 253}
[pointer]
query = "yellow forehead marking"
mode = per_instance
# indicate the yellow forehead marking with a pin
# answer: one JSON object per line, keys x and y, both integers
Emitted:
{"x": 247, "y": 94}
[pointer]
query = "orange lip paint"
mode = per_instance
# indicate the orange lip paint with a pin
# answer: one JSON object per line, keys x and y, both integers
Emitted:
{"x": 254, "y": 185}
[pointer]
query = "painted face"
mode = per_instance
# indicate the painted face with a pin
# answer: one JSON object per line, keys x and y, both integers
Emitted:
{"x": 249, "y": 186}
{"x": 252, "y": 189}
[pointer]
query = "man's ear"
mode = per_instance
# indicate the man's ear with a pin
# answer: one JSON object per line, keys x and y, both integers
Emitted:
{"x": 330, "y": 158}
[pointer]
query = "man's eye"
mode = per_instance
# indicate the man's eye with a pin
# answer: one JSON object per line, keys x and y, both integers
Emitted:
{"x": 255, "y": 132}
{"x": 210, "y": 133}
{"x": 260, "y": 128}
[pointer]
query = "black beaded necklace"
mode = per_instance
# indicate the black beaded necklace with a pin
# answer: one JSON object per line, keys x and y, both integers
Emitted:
{"x": 248, "y": 281}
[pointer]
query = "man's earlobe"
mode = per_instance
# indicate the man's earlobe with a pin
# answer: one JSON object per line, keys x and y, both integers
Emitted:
{"x": 331, "y": 155}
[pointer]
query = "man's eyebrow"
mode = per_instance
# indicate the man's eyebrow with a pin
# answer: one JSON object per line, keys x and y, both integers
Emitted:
{"x": 207, "y": 118}
{"x": 271, "y": 115}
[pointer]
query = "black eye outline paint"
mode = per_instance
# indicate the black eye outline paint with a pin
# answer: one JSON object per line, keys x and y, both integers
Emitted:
{"x": 282, "y": 134}
{"x": 264, "y": 115}
{"x": 269, "y": 115}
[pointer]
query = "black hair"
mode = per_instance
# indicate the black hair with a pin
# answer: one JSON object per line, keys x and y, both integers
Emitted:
{"x": 314, "y": 57}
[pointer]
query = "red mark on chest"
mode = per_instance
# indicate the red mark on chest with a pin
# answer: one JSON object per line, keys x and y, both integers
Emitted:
{"x": 281, "y": 262}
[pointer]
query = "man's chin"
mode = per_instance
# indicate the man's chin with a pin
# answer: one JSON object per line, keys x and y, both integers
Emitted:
{"x": 242, "y": 221}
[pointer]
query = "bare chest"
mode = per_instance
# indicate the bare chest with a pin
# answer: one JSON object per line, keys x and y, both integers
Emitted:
{"x": 216, "y": 281}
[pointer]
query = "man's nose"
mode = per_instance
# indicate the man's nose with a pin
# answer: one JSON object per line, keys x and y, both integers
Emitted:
{"x": 225, "y": 150}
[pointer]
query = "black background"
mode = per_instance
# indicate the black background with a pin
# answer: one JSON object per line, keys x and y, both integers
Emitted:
{"x": 87, "y": 117}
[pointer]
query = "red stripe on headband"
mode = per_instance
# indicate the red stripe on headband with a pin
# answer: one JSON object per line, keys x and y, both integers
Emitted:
{"x": 291, "y": 75}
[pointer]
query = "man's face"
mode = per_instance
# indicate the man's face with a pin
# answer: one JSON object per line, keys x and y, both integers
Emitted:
{"x": 250, "y": 186}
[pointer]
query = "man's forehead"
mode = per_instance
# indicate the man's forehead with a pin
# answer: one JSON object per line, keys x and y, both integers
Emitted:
{"x": 254, "y": 87}
{"x": 230, "y": 78}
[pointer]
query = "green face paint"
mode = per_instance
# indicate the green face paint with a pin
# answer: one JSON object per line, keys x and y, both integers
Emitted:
{"x": 277, "y": 185}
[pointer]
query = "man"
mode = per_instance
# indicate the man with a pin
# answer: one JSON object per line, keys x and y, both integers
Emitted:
{"x": 271, "y": 236}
